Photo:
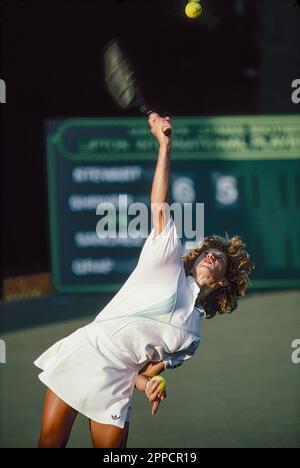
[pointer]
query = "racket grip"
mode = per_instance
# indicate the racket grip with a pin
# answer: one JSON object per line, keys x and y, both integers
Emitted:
{"x": 167, "y": 129}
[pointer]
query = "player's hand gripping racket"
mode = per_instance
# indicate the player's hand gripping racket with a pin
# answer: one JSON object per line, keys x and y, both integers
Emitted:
{"x": 121, "y": 83}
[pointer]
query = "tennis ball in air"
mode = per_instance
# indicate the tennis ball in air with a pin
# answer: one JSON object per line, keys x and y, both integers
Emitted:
{"x": 163, "y": 384}
{"x": 193, "y": 9}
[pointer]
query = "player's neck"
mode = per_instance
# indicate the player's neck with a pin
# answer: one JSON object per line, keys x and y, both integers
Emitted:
{"x": 205, "y": 290}
{"x": 203, "y": 293}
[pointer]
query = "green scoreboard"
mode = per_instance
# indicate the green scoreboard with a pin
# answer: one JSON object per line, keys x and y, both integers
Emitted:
{"x": 245, "y": 170}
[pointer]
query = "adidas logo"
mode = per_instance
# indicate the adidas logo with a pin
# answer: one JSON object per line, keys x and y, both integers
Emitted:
{"x": 114, "y": 416}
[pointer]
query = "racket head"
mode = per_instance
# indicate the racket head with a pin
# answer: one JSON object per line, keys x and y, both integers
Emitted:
{"x": 119, "y": 78}
{"x": 121, "y": 83}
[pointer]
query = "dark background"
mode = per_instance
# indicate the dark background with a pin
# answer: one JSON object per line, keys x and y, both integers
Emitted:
{"x": 239, "y": 58}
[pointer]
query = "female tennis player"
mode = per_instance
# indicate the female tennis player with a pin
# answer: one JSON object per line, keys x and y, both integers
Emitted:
{"x": 151, "y": 324}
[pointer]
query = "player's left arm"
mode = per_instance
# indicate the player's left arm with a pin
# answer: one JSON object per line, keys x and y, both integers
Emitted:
{"x": 151, "y": 391}
{"x": 151, "y": 369}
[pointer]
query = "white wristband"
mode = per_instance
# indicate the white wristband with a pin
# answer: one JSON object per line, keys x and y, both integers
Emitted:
{"x": 149, "y": 380}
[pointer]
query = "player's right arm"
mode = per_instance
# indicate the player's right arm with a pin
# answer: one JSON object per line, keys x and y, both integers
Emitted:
{"x": 160, "y": 184}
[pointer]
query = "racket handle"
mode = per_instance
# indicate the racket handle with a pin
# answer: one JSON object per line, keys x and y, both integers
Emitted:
{"x": 167, "y": 129}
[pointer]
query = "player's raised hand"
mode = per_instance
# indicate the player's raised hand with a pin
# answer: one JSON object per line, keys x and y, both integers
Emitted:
{"x": 161, "y": 128}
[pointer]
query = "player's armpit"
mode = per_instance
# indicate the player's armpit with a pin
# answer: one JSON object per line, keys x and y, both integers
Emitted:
{"x": 152, "y": 368}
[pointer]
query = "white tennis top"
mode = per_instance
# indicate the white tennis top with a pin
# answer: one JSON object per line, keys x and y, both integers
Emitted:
{"x": 153, "y": 317}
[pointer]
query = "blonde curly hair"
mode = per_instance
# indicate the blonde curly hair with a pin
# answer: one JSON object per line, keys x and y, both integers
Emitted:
{"x": 224, "y": 299}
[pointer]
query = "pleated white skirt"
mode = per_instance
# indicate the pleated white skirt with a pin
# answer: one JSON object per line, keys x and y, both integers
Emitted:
{"x": 85, "y": 371}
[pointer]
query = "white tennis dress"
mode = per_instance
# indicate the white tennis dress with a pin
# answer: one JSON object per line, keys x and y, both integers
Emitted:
{"x": 151, "y": 318}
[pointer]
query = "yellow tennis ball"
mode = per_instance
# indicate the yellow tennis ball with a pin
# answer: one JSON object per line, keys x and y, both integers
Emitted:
{"x": 193, "y": 9}
{"x": 163, "y": 384}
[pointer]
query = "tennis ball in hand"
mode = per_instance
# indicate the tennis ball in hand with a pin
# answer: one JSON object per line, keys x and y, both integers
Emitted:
{"x": 163, "y": 384}
{"x": 193, "y": 10}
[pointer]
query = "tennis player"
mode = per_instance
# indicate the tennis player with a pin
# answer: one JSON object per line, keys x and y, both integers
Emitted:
{"x": 151, "y": 324}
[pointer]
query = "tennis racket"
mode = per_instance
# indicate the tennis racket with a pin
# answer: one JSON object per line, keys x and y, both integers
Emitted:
{"x": 121, "y": 83}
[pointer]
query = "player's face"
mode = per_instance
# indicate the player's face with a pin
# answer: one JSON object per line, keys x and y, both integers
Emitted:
{"x": 211, "y": 266}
